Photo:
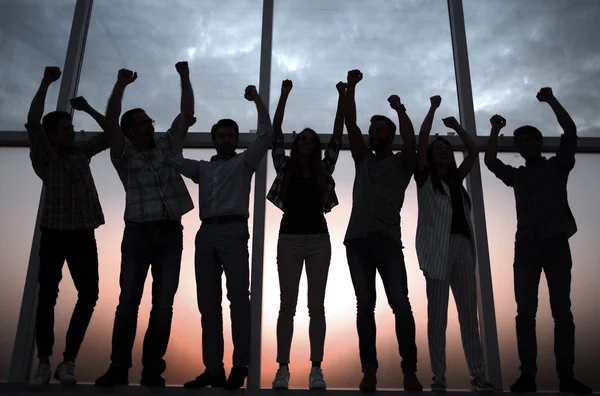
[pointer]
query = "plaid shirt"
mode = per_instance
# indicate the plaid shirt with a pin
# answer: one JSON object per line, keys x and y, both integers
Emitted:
{"x": 70, "y": 199}
{"x": 154, "y": 190}
{"x": 280, "y": 161}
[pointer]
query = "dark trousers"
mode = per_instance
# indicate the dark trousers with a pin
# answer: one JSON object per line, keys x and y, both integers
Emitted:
{"x": 79, "y": 250}
{"x": 156, "y": 246}
{"x": 223, "y": 247}
{"x": 366, "y": 256}
{"x": 553, "y": 256}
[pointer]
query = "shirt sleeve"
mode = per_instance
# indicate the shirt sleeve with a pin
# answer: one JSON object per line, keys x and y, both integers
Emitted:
{"x": 565, "y": 156}
{"x": 96, "y": 145}
{"x": 331, "y": 156}
{"x": 504, "y": 172}
{"x": 39, "y": 149}
{"x": 187, "y": 167}
{"x": 278, "y": 153}
{"x": 259, "y": 147}
{"x": 421, "y": 176}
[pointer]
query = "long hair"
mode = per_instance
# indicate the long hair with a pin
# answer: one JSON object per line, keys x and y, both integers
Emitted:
{"x": 293, "y": 167}
{"x": 436, "y": 178}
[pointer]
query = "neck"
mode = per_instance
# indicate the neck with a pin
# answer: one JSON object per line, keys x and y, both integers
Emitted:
{"x": 533, "y": 158}
{"x": 144, "y": 145}
{"x": 384, "y": 153}
{"x": 441, "y": 169}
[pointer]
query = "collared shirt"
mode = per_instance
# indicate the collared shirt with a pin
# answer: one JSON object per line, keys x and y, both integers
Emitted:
{"x": 541, "y": 192}
{"x": 70, "y": 199}
{"x": 280, "y": 160}
{"x": 224, "y": 184}
{"x": 154, "y": 190}
{"x": 378, "y": 196}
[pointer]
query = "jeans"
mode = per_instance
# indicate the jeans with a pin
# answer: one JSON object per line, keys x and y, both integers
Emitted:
{"x": 156, "y": 246}
{"x": 223, "y": 247}
{"x": 366, "y": 256}
{"x": 292, "y": 252}
{"x": 553, "y": 256}
{"x": 79, "y": 249}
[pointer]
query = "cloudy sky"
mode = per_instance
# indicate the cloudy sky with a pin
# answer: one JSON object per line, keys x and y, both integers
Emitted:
{"x": 402, "y": 47}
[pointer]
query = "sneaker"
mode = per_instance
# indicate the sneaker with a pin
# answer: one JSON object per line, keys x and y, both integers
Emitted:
{"x": 412, "y": 383}
{"x": 572, "y": 385}
{"x": 316, "y": 380}
{"x": 480, "y": 384}
{"x": 65, "y": 373}
{"x": 237, "y": 378}
{"x": 369, "y": 381}
{"x": 214, "y": 380}
{"x": 525, "y": 384}
{"x": 113, "y": 377}
{"x": 42, "y": 377}
{"x": 282, "y": 378}
{"x": 152, "y": 379}
{"x": 438, "y": 384}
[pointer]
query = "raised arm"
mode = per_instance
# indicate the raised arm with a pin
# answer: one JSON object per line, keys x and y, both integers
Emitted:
{"x": 187, "y": 167}
{"x": 116, "y": 138}
{"x": 98, "y": 143}
{"x": 259, "y": 147}
{"x": 340, "y": 113}
{"x": 407, "y": 132}
{"x": 180, "y": 127}
{"x": 500, "y": 169}
{"x": 36, "y": 109}
{"x": 425, "y": 131}
{"x": 472, "y": 154}
{"x": 568, "y": 142}
{"x": 355, "y": 137}
{"x": 278, "y": 151}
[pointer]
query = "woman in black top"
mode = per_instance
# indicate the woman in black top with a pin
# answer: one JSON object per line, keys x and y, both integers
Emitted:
{"x": 304, "y": 190}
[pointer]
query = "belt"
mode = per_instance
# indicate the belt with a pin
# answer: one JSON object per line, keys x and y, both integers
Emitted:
{"x": 225, "y": 219}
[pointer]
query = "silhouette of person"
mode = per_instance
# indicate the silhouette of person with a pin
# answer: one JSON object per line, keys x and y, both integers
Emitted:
{"x": 304, "y": 190}
{"x": 156, "y": 199}
{"x": 71, "y": 213}
{"x": 222, "y": 241}
{"x": 544, "y": 225}
{"x": 446, "y": 249}
{"x": 373, "y": 241}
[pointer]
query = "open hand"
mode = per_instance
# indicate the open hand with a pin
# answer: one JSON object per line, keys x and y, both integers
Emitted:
{"x": 286, "y": 86}
{"x": 341, "y": 87}
{"x": 498, "y": 122}
{"x": 79, "y": 103}
{"x": 451, "y": 122}
{"x": 354, "y": 77}
{"x": 182, "y": 68}
{"x": 51, "y": 74}
{"x": 126, "y": 76}
{"x": 251, "y": 94}
{"x": 545, "y": 95}
{"x": 435, "y": 101}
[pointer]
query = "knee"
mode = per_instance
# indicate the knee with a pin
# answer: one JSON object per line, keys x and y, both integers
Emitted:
{"x": 562, "y": 315}
{"x": 317, "y": 309}
{"x": 287, "y": 308}
{"x": 400, "y": 305}
{"x": 238, "y": 298}
{"x": 88, "y": 297}
{"x": 365, "y": 306}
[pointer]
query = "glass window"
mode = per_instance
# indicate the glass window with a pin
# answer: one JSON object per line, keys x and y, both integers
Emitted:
{"x": 220, "y": 42}
{"x": 184, "y": 355}
{"x": 515, "y": 48}
{"x": 501, "y": 226}
{"x": 315, "y": 43}
{"x": 18, "y": 210}
{"x": 341, "y": 364}
{"x": 33, "y": 34}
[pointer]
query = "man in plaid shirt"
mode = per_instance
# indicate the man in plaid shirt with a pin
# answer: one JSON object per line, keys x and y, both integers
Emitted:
{"x": 70, "y": 214}
{"x": 156, "y": 199}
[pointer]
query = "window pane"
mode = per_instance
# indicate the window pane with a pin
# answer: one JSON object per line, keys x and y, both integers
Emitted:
{"x": 184, "y": 355}
{"x": 341, "y": 365}
{"x": 515, "y": 48}
{"x": 315, "y": 43}
{"x": 18, "y": 210}
{"x": 220, "y": 40}
{"x": 33, "y": 34}
{"x": 501, "y": 226}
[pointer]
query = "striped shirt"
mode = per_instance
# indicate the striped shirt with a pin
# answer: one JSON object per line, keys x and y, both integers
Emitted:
{"x": 70, "y": 200}
{"x": 280, "y": 161}
{"x": 154, "y": 190}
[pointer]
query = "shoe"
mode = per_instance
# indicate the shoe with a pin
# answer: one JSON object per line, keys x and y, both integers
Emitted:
{"x": 282, "y": 378}
{"x": 42, "y": 377}
{"x": 369, "y": 381}
{"x": 525, "y": 384}
{"x": 237, "y": 378}
{"x": 411, "y": 382}
{"x": 572, "y": 385}
{"x": 438, "y": 384}
{"x": 480, "y": 384}
{"x": 65, "y": 373}
{"x": 152, "y": 379}
{"x": 115, "y": 376}
{"x": 316, "y": 380}
{"x": 214, "y": 380}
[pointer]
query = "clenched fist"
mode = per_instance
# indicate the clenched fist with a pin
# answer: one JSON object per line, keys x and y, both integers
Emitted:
{"x": 435, "y": 101}
{"x": 126, "y": 76}
{"x": 182, "y": 68}
{"x": 51, "y": 74}
{"x": 341, "y": 87}
{"x": 450, "y": 122}
{"x": 354, "y": 77}
{"x": 79, "y": 103}
{"x": 286, "y": 86}
{"x": 498, "y": 122}
{"x": 395, "y": 102}
{"x": 545, "y": 95}
{"x": 251, "y": 94}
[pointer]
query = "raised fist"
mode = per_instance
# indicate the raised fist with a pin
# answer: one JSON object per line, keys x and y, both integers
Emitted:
{"x": 126, "y": 76}
{"x": 498, "y": 122}
{"x": 182, "y": 68}
{"x": 545, "y": 94}
{"x": 450, "y": 122}
{"x": 286, "y": 86}
{"x": 354, "y": 77}
{"x": 79, "y": 103}
{"x": 435, "y": 101}
{"x": 251, "y": 94}
{"x": 395, "y": 102}
{"x": 51, "y": 74}
{"x": 341, "y": 87}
